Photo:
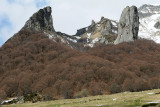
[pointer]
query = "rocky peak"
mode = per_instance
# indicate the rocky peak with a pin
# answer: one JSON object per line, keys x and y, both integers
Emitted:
{"x": 93, "y": 23}
{"x": 41, "y": 21}
{"x": 107, "y": 27}
{"x": 103, "y": 31}
{"x": 128, "y": 25}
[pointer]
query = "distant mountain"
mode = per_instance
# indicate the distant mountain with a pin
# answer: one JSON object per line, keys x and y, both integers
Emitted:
{"x": 149, "y": 22}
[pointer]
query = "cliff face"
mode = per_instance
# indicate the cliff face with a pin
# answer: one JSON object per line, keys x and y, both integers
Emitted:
{"x": 41, "y": 21}
{"x": 128, "y": 25}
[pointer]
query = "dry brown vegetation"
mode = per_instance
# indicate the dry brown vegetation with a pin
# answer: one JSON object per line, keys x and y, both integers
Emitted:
{"x": 31, "y": 63}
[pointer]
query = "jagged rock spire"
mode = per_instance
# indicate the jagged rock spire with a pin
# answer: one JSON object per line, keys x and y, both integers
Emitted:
{"x": 41, "y": 21}
{"x": 128, "y": 26}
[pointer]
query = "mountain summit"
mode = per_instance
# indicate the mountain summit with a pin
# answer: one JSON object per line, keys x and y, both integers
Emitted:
{"x": 41, "y": 21}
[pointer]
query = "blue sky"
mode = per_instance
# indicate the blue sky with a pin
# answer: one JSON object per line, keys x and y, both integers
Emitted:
{"x": 14, "y": 14}
{"x": 68, "y": 15}
{"x": 4, "y": 23}
{"x": 38, "y": 3}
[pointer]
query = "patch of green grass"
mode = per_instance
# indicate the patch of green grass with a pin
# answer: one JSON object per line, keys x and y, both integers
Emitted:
{"x": 52, "y": 105}
{"x": 137, "y": 102}
{"x": 125, "y": 99}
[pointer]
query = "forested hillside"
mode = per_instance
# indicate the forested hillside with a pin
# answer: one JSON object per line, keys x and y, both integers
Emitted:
{"x": 32, "y": 63}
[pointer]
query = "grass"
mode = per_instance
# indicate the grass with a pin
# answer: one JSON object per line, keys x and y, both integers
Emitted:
{"x": 125, "y": 99}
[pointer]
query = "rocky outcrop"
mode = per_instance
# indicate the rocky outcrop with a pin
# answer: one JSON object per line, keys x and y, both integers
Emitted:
{"x": 92, "y": 27}
{"x": 81, "y": 31}
{"x": 128, "y": 25}
{"x": 18, "y": 100}
{"x": 107, "y": 28}
{"x": 157, "y": 25}
{"x": 103, "y": 32}
{"x": 41, "y": 21}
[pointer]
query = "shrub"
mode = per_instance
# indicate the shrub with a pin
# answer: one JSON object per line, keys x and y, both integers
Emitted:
{"x": 114, "y": 88}
{"x": 82, "y": 93}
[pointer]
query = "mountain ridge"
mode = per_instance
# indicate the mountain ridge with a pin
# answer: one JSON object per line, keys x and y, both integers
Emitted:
{"x": 90, "y": 41}
{"x": 103, "y": 32}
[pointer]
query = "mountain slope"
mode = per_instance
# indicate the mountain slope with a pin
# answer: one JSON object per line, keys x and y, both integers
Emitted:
{"x": 32, "y": 63}
{"x": 149, "y": 16}
{"x": 52, "y": 69}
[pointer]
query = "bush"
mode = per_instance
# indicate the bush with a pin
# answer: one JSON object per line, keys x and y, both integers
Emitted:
{"x": 34, "y": 97}
{"x": 82, "y": 93}
{"x": 114, "y": 88}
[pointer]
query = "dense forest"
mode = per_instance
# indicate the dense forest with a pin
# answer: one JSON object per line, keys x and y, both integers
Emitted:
{"x": 32, "y": 63}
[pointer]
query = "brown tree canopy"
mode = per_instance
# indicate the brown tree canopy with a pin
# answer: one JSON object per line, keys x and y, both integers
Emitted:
{"x": 32, "y": 63}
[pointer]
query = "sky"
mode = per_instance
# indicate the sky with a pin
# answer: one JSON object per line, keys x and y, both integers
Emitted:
{"x": 68, "y": 15}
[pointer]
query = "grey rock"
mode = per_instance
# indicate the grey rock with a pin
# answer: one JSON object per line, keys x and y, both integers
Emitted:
{"x": 93, "y": 23}
{"x": 19, "y": 100}
{"x": 81, "y": 31}
{"x": 103, "y": 20}
{"x": 103, "y": 40}
{"x": 41, "y": 21}
{"x": 157, "y": 25}
{"x": 128, "y": 26}
{"x": 92, "y": 27}
{"x": 88, "y": 29}
{"x": 104, "y": 30}
{"x": 107, "y": 28}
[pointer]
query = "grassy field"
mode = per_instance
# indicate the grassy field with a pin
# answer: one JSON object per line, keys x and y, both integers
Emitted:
{"x": 125, "y": 99}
